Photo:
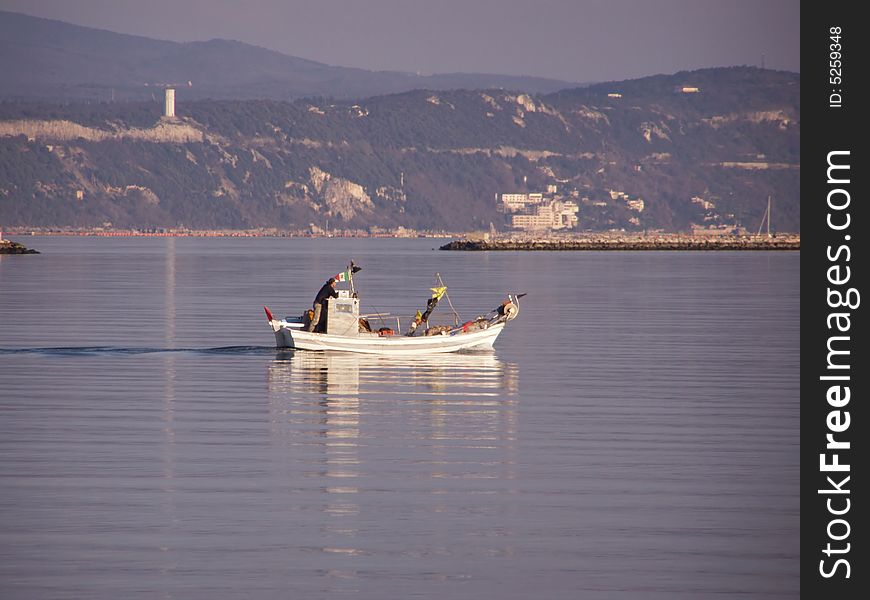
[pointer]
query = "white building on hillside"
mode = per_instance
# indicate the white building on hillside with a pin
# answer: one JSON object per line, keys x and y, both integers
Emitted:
{"x": 539, "y": 211}
{"x": 552, "y": 215}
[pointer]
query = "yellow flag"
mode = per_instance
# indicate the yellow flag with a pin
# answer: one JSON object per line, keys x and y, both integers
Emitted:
{"x": 437, "y": 292}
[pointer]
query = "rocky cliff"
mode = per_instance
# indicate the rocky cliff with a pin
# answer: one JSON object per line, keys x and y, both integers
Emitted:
{"x": 637, "y": 155}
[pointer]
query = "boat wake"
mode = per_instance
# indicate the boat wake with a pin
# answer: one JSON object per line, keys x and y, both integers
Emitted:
{"x": 114, "y": 350}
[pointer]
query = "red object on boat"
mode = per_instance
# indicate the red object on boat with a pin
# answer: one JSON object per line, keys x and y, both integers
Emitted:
{"x": 268, "y": 313}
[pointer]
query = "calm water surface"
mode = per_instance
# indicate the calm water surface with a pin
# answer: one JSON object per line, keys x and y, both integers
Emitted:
{"x": 633, "y": 435}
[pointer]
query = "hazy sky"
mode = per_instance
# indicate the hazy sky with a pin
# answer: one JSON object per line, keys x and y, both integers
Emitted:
{"x": 574, "y": 40}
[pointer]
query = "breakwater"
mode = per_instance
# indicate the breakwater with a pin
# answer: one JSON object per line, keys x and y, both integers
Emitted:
{"x": 627, "y": 242}
{"x": 9, "y": 247}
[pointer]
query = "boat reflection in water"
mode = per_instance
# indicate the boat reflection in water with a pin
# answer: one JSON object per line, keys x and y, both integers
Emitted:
{"x": 363, "y": 439}
{"x": 334, "y": 374}
{"x": 344, "y": 390}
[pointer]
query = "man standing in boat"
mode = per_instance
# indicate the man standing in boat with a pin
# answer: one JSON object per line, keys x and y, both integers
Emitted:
{"x": 327, "y": 291}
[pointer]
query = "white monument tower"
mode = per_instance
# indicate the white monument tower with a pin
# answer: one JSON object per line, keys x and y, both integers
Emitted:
{"x": 169, "y": 111}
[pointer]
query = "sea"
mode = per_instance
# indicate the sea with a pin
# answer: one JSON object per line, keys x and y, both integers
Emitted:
{"x": 633, "y": 434}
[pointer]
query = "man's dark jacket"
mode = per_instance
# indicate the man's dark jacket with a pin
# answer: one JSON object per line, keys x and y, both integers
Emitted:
{"x": 325, "y": 292}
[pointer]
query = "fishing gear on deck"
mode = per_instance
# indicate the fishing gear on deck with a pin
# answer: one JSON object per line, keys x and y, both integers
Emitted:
{"x": 431, "y": 303}
{"x": 510, "y": 308}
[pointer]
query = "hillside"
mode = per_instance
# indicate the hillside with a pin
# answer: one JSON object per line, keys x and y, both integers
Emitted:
{"x": 420, "y": 159}
{"x": 52, "y": 60}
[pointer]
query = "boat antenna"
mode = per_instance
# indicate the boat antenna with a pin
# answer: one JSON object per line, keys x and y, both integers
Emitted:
{"x": 446, "y": 295}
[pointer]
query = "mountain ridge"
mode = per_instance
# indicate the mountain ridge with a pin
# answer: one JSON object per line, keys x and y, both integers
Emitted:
{"x": 58, "y": 61}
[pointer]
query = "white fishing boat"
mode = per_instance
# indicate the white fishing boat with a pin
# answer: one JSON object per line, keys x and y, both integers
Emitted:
{"x": 346, "y": 331}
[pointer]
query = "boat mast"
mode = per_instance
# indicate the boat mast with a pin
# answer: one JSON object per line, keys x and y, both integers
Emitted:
{"x": 768, "y": 216}
{"x": 446, "y": 295}
{"x": 765, "y": 217}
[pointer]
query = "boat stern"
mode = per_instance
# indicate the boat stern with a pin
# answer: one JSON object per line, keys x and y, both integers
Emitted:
{"x": 283, "y": 328}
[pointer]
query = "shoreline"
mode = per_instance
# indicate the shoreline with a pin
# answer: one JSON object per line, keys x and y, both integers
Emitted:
{"x": 480, "y": 242}
{"x": 246, "y": 233}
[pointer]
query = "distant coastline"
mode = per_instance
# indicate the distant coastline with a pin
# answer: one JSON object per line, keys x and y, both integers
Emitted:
{"x": 258, "y": 232}
{"x": 473, "y": 241}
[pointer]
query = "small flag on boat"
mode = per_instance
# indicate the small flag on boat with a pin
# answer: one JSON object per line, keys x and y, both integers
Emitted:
{"x": 437, "y": 292}
{"x": 347, "y": 274}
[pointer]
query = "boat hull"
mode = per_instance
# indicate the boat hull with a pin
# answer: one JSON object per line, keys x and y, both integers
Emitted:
{"x": 287, "y": 336}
